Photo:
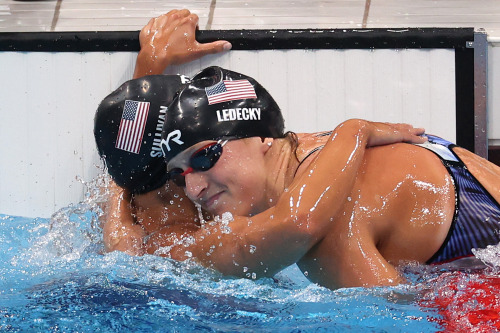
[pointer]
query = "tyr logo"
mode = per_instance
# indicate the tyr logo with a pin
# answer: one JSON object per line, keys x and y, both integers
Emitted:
{"x": 174, "y": 136}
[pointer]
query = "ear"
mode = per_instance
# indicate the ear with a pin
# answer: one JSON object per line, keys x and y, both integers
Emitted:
{"x": 267, "y": 143}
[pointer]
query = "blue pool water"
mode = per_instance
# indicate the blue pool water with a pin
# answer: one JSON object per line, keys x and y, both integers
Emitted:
{"x": 54, "y": 278}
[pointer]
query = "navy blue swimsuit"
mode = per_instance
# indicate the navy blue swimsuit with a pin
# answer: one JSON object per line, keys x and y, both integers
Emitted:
{"x": 476, "y": 223}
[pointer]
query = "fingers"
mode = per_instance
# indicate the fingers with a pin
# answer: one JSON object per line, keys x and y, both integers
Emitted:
{"x": 206, "y": 48}
{"x": 175, "y": 14}
{"x": 170, "y": 39}
{"x": 146, "y": 30}
{"x": 416, "y": 139}
{"x": 172, "y": 18}
{"x": 183, "y": 13}
{"x": 409, "y": 133}
{"x": 389, "y": 133}
{"x": 191, "y": 20}
{"x": 214, "y": 47}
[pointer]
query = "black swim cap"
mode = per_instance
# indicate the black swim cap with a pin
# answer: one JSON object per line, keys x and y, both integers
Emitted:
{"x": 220, "y": 103}
{"x": 127, "y": 130}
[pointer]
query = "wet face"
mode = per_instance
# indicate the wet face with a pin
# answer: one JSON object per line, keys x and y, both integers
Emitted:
{"x": 236, "y": 183}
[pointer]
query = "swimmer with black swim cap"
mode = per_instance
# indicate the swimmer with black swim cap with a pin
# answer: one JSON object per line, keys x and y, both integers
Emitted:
{"x": 127, "y": 130}
{"x": 218, "y": 104}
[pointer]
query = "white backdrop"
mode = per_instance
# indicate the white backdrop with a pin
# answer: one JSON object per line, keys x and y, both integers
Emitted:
{"x": 48, "y": 100}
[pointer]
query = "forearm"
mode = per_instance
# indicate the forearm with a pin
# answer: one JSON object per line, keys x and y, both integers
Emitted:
{"x": 120, "y": 232}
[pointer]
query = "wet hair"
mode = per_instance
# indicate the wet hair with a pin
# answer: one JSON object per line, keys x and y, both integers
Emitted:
{"x": 292, "y": 138}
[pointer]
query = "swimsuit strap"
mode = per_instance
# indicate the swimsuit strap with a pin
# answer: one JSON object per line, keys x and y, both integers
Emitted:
{"x": 318, "y": 135}
{"x": 311, "y": 152}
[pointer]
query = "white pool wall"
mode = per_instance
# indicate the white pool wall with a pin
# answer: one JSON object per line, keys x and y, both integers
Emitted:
{"x": 49, "y": 100}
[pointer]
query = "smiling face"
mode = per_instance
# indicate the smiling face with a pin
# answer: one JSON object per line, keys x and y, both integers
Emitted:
{"x": 237, "y": 181}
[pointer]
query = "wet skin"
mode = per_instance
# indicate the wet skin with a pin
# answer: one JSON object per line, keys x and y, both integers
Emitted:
{"x": 400, "y": 209}
{"x": 237, "y": 183}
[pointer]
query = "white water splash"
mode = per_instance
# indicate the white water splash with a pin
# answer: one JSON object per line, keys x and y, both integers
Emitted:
{"x": 490, "y": 255}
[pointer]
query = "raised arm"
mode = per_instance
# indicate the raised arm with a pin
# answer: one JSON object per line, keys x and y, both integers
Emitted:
{"x": 264, "y": 244}
{"x": 166, "y": 40}
{"x": 170, "y": 39}
{"x": 120, "y": 230}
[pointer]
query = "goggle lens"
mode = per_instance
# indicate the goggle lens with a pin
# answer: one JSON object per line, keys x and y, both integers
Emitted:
{"x": 206, "y": 157}
{"x": 202, "y": 160}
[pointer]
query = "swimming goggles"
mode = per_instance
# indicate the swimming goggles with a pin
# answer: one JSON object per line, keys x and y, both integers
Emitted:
{"x": 202, "y": 160}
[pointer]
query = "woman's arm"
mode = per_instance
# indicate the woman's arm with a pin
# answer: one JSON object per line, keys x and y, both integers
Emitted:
{"x": 166, "y": 40}
{"x": 120, "y": 231}
{"x": 170, "y": 39}
{"x": 264, "y": 244}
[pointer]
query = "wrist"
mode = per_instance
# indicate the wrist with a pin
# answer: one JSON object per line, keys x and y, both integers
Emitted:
{"x": 149, "y": 64}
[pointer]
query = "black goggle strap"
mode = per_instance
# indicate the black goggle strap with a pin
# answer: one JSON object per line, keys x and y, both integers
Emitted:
{"x": 177, "y": 178}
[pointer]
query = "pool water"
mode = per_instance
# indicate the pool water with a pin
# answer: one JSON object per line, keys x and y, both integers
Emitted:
{"x": 55, "y": 278}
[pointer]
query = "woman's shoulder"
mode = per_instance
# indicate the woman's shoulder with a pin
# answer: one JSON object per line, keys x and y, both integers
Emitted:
{"x": 314, "y": 136}
{"x": 309, "y": 144}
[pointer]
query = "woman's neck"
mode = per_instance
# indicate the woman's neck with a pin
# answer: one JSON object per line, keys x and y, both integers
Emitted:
{"x": 281, "y": 165}
{"x": 286, "y": 160}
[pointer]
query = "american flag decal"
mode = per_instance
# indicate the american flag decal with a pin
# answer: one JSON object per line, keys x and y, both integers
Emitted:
{"x": 132, "y": 126}
{"x": 225, "y": 91}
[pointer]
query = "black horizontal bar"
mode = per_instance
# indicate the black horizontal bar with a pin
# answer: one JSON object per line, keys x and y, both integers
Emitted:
{"x": 346, "y": 38}
{"x": 80, "y": 41}
{"x": 116, "y": 41}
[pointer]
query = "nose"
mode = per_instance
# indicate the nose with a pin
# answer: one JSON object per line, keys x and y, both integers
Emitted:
{"x": 196, "y": 185}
